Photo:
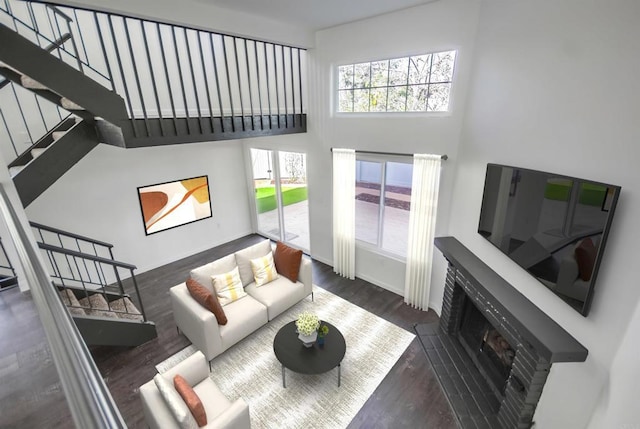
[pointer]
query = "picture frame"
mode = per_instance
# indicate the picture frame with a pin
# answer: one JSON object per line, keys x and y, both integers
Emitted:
{"x": 174, "y": 203}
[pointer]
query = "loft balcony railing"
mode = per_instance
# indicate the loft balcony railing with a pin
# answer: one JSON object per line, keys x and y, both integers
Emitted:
{"x": 178, "y": 83}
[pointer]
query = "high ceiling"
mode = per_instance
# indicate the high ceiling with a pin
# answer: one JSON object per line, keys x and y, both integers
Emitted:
{"x": 316, "y": 14}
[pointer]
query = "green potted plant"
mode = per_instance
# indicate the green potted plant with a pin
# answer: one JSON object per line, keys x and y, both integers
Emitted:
{"x": 323, "y": 330}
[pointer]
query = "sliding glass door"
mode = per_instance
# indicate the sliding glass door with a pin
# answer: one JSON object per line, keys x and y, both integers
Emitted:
{"x": 280, "y": 194}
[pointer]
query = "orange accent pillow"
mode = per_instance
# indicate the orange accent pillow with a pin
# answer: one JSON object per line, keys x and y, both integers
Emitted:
{"x": 287, "y": 261}
{"x": 586, "y": 257}
{"x": 207, "y": 300}
{"x": 190, "y": 398}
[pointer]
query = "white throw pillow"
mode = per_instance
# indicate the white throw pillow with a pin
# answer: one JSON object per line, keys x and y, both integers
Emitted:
{"x": 244, "y": 257}
{"x": 264, "y": 270}
{"x": 220, "y": 266}
{"x": 175, "y": 403}
{"x": 228, "y": 287}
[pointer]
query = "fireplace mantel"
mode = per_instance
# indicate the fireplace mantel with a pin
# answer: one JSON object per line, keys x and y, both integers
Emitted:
{"x": 549, "y": 339}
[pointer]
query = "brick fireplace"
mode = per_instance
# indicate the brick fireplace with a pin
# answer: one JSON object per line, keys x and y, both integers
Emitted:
{"x": 493, "y": 343}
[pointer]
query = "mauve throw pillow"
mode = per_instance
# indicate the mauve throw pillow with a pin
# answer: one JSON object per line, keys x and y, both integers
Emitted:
{"x": 190, "y": 398}
{"x": 287, "y": 261}
{"x": 207, "y": 300}
{"x": 586, "y": 258}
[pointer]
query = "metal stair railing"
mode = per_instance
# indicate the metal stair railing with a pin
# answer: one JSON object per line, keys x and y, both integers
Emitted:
{"x": 81, "y": 262}
{"x": 81, "y": 277}
{"x": 88, "y": 397}
{"x": 180, "y": 81}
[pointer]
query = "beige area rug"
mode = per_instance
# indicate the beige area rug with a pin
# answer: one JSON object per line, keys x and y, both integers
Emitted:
{"x": 251, "y": 371}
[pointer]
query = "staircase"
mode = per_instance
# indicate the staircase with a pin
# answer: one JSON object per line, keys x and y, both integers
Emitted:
{"x": 93, "y": 287}
{"x": 8, "y": 278}
{"x": 132, "y": 83}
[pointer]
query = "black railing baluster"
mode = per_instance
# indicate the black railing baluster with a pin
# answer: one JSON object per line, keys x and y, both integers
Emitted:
{"x": 215, "y": 72}
{"x": 44, "y": 121}
{"x": 193, "y": 78}
{"x": 153, "y": 76}
{"x": 166, "y": 75}
{"x": 275, "y": 74}
{"x": 53, "y": 32}
{"x": 226, "y": 66}
{"x": 184, "y": 95}
{"x": 284, "y": 90}
{"x": 104, "y": 51}
{"x": 117, "y": 273}
{"x": 24, "y": 120}
{"x": 75, "y": 46}
{"x": 255, "y": 50}
{"x": 135, "y": 286}
{"x": 300, "y": 83}
{"x": 266, "y": 70}
{"x": 293, "y": 89}
{"x": 136, "y": 75}
{"x": 6, "y": 126}
{"x": 246, "y": 58}
{"x": 206, "y": 80}
{"x": 235, "y": 54}
{"x": 32, "y": 17}
{"x": 84, "y": 48}
{"x": 122, "y": 76}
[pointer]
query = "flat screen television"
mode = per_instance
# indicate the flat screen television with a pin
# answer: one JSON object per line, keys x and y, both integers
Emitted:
{"x": 553, "y": 226}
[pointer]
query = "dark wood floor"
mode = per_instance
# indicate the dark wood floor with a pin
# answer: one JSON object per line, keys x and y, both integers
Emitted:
{"x": 409, "y": 396}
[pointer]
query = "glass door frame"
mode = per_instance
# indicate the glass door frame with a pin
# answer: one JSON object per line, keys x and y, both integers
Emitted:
{"x": 276, "y": 175}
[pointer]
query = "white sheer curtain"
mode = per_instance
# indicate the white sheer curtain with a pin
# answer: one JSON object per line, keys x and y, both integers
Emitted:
{"x": 422, "y": 223}
{"x": 344, "y": 212}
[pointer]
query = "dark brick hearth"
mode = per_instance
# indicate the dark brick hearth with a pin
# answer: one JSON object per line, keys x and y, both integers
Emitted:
{"x": 536, "y": 339}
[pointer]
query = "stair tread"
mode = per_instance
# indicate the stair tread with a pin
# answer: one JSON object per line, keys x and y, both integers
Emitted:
{"x": 31, "y": 83}
{"x": 69, "y": 299}
{"x": 36, "y": 152}
{"x": 70, "y": 105}
{"x": 125, "y": 304}
{"x": 96, "y": 305}
{"x": 13, "y": 171}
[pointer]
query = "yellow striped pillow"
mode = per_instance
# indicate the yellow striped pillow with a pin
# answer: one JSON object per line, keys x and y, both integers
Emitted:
{"x": 264, "y": 270}
{"x": 228, "y": 286}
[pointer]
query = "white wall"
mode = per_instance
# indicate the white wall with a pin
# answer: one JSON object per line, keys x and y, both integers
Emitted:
{"x": 433, "y": 27}
{"x": 98, "y": 198}
{"x": 554, "y": 87}
{"x": 204, "y": 15}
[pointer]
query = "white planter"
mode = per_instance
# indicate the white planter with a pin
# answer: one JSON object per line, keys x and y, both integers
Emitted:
{"x": 308, "y": 340}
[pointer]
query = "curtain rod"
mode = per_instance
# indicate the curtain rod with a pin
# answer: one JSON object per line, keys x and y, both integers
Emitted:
{"x": 444, "y": 157}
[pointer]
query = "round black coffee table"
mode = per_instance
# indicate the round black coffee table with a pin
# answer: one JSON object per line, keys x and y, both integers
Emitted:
{"x": 293, "y": 355}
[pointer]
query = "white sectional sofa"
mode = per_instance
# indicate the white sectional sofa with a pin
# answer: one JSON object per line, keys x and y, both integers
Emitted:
{"x": 221, "y": 413}
{"x": 245, "y": 315}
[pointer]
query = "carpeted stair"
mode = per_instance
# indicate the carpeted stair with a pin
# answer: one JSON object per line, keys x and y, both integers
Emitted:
{"x": 96, "y": 305}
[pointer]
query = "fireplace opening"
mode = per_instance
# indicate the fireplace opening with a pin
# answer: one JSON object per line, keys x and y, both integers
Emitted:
{"x": 490, "y": 351}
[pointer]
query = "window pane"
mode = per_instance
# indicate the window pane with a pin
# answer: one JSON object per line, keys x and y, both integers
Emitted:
{"x": 345, "y": 77}
{"x": 419, "y": 69}
{"x": 378, "y": 100}
{"x": 379, "y": 73}
{"x": 442, "y": 69}
{"x": 398, "y": 70}
{"x": 360, "y": 100}
{"x": 397, "y": 201}
{"x": 345, "y": 101}
{"x": 397, "y": 99}
{"x": 361, "y": 76}
{"x": 417, "y": 98}
{"x": 368, "y": 181}
{"x": 439, "y": 97}
{"x": 293, "y": 186}
{"x": 265, "y": 192}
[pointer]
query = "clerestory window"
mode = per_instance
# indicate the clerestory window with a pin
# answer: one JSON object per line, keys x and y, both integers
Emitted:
{"x": 420, "y": 83}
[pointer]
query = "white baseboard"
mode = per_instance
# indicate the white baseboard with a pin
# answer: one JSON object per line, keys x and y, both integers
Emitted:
{"x": 193, "y": 251}
{"x": 383, "y": 285}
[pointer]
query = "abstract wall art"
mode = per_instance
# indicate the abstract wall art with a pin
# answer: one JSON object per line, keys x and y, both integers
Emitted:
{"x": 170, "y": 204}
